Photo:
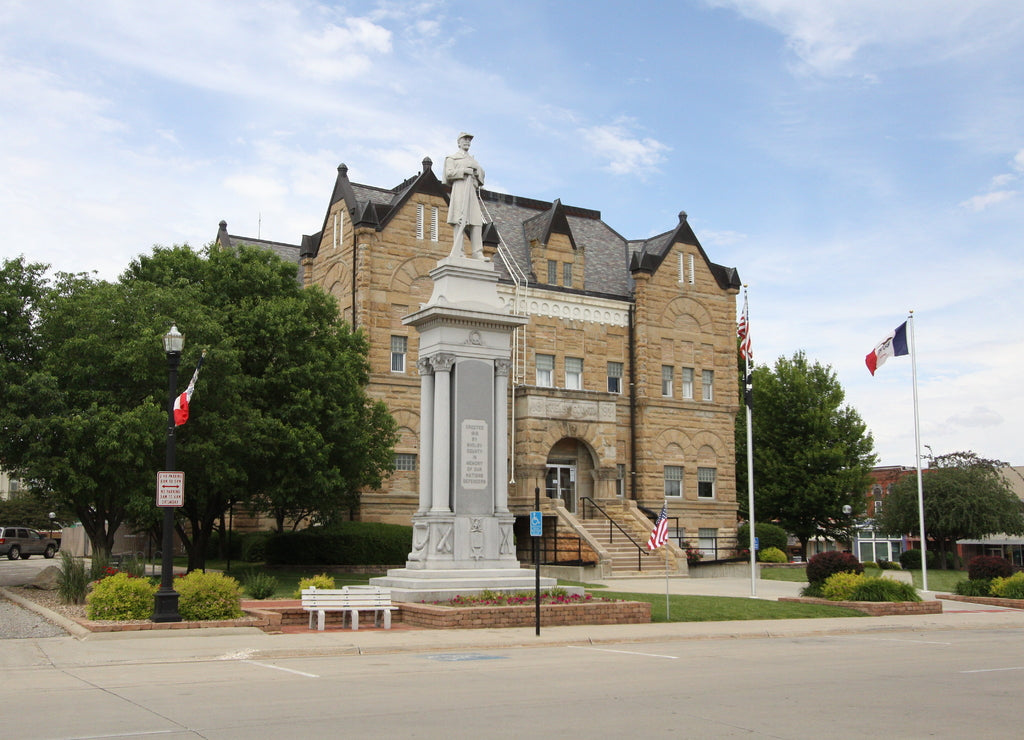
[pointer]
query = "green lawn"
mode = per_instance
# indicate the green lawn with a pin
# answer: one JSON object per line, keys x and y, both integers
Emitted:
{"x": 938, "y": 580}
{"x": 724, "y": 608}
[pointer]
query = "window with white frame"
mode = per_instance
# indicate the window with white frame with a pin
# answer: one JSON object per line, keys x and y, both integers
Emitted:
{"x": 707, "y": 385}
{"x": 433, "y": 224}
{"x": 667, "y": 371}
{"x": 405, "y": 461}
{"x": 339, "y": 225}
{"x": 706, "y": 482}
{"x": 567, "y": 274}
{"x": 399, "y": 347}
{"x": 420, "y": 210}
{"x": 682, "y": 268}
{"x": 615, "y": 377}
{"x": 707, "y": 541}
{"x": 552, "y": 272}
{"x": 689, "y": 268}
{"x": 574, "y": 373}
{"x": 674, "y": 481}
{"x": 620, "y": 480}
{"x": 688, "y": 383}
{"x": 545, "y": 370}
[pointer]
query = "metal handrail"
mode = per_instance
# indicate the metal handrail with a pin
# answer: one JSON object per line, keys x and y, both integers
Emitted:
{"x": 611, "y": 522}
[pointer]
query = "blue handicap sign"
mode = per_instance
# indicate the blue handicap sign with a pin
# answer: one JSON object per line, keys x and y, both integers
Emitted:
{"x": 757, "y": 543}
{"x": 536, "y": 524}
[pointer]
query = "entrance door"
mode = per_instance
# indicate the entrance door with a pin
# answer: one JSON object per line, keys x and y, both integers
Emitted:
{"x": 560, "y": 482}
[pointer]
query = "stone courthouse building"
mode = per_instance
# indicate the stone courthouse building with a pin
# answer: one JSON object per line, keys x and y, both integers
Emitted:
{"x": 623, "y": 387}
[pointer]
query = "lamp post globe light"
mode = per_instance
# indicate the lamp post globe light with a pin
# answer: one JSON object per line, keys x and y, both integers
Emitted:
{"x": 165, "y": 608}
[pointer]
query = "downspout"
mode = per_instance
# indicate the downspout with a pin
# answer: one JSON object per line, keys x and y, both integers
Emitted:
{"x": 632, "y": 406}
{"x": 355, "y": 262}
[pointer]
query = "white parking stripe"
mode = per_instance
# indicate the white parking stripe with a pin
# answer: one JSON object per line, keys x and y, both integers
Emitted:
{"x": 624, "y": 652}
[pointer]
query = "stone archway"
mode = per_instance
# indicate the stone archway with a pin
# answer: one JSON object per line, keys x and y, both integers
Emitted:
{"x": 570, "y": 472}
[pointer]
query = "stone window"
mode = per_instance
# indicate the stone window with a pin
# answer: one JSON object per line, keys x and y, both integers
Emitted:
{"x": 433, "y": 224}
{"x": 405, "y": 461}
{"x": 545, "y": 370}
{"x": 706, "y": 482}
{"x": 690, "y": 278}
{"x": 567, "y": 274}
{"x": 399, "y": 347}
{"x": 615, "y": 377}
{"x": 574, "y": 373}
{"x": 552, "y": 272}
{"x": 620, "y": 480}
{"x": 707, "y": 385}
{"x": 673, "y": 481}
{"x": 420, "y": 209}
{"x": 707, "y": 541}
{"x": 688, "y": 383}
{"x": 667, "y": 371}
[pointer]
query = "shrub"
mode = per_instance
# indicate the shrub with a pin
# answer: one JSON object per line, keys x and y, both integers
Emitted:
{"x": 871, "y": 564}
{"x": 72, "y": 583}
{"x": 889, "y": 565}
{"x": 321, "y": 581}
{"x": 254, "y": 546}
{"x": 884, "y": 589}
{"x": 345, "y": 543}
{"x": 814, "y": 590}
{"x": 911, "y": 559}
{"x": 977, "y": 587}
{"x": 989, "y": 567}
{"x": 840, "y": 586}
{"x": 768, "y": 535}
{"x": 824, "y": 564}
{"x": 772, "y": 555}
{"x": 203, "y": 596}
{"x": 259, "y": 585}
{"x": 121, "y": 597}
{"x": 1009, "y": 588}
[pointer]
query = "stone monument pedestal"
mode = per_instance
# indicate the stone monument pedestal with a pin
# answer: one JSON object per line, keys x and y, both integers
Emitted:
{"x": 462, "y": 530}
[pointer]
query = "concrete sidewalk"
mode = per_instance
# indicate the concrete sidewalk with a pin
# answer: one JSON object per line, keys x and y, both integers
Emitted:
{"x": 249, "y": 643}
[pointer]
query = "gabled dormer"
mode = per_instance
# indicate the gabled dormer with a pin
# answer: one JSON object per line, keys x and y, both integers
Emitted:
{"x": 556, "y": 258}
{"x": 681, "y": 248}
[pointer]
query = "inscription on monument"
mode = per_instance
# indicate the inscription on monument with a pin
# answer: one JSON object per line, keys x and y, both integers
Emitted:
{"x": 474, "y": 454}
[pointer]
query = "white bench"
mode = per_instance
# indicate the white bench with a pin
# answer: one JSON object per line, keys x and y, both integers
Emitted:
{"x": 349, "y": 600}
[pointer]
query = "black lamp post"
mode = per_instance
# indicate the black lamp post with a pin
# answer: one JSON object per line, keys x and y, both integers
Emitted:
{"x": 166, "y": 602}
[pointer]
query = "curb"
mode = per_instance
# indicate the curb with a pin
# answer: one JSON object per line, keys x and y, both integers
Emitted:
{"x": 70, "y": 626}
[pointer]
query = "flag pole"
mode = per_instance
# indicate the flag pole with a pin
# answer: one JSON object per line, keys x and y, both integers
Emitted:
{"x": 668, "y": 608}
{"x": 747, "y": 392}
{"x": 917, "y": 452}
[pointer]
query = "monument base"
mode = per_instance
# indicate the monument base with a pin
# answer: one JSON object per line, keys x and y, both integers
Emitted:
{"x": 442, "y": 585}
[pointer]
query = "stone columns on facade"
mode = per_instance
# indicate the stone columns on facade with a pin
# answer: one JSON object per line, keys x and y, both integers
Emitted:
{"x": 501, "y": 371}
{"x": 440, "y": 499}
{"x": 426, "y": 370}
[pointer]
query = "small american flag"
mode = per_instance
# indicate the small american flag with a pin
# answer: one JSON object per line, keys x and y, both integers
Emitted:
{"x": 660, "y": 534}
{"x": 743, "y": 332}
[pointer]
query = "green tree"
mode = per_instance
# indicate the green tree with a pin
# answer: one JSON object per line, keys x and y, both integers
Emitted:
{"x": 812, "y": 453}
{"x": 965, "y": 497}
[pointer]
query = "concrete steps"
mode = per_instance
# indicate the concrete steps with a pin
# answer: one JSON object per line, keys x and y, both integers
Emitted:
{"x": 622, "y": 552}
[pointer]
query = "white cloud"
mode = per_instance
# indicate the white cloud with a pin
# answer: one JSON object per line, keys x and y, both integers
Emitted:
{"x": 626, "y": 153}
{"x": 981, "y": 202}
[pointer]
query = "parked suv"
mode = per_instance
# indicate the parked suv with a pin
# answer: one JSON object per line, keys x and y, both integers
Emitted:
{"x": 22, "y": 542}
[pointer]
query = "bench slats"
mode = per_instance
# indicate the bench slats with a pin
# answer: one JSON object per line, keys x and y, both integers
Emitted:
{"x": 349, "y": 600}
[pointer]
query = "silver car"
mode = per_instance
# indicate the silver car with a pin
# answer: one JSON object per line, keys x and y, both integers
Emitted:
{"x": 22, "y": 542}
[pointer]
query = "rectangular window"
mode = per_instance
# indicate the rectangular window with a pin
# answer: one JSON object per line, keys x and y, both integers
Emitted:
{"x": 667, "y": 371}
{"x": 552, "y": 272}
{"x": 433, "y": 224}
{"x": 615, "y": 377}
{"x": 405, "y": 461}
{"x": 620, "y": 480}
{"x": 567, "y": 274}
{"x": 338, "y": 225}
{"x": 419, "y": 220}
{"x": 545, "y": 370}
{"x": 707, "y": 385}
{"x": 706, "y": 482}
{"x": 399, "y": 346}
{"x": 689, "y": 268}
{"x": 682, "y": 269}
{"x": 688, "y": 383}
{"x": 707, "y": 541}
{"x": 574, "y": 373}
{"x": 674, "y": 481}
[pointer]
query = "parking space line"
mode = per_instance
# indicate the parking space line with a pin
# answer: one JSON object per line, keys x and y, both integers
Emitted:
{"x": 624, "y": 652}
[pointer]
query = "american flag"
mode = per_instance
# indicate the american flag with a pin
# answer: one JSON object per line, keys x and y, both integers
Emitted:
{"x": 743, "y": 332}
{"x": 660, "y": 534}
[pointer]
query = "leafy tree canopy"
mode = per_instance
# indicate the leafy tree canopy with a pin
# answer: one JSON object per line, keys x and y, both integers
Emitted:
{"x": 812, "y": 453}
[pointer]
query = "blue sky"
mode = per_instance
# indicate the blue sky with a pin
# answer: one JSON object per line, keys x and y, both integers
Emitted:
{"x": 854, "y": 159}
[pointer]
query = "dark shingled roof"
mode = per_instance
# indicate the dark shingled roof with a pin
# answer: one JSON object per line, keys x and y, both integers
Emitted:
{"x": 288, "y": 252}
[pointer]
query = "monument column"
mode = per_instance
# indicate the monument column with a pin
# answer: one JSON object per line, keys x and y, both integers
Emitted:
{"x": 426, "y": 371}
{"x": 441, "y": 495}
{"x": 501, "y": 370}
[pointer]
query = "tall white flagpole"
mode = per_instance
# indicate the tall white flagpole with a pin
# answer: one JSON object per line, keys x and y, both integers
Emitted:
{"x": 917, "y": 451}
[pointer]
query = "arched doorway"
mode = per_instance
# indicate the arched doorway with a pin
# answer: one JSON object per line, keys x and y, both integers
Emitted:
{"x": 570, "y": 472}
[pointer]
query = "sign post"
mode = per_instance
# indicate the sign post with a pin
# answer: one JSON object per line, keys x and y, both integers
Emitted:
{"x": 536, "y": 531}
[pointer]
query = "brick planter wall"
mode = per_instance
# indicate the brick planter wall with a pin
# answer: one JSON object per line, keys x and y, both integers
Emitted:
{"x": 876, "y": 608}
{"x": 985, "y": 600}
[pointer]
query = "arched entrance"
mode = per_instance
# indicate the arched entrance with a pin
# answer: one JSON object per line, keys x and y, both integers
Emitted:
{"x": 570, "y": 472}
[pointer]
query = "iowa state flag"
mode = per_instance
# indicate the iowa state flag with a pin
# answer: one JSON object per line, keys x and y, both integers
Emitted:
{"x": 893, "y": 345}
{"x": 182, "y": 401}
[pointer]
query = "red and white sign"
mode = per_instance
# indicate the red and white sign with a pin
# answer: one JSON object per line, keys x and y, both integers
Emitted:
{"x": 170, "y": 488}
